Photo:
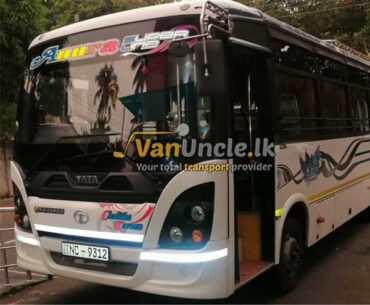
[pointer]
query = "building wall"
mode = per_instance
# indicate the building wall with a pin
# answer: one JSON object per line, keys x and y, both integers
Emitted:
{"x": 5, "y": 181}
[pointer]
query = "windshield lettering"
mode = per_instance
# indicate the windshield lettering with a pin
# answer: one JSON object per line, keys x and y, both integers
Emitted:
{"x": 130, "y": 43}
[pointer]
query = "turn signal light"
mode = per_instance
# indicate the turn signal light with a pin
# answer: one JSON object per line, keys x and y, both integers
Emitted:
{"x": 20, "y": 214}
{"x": 197, "y": 236}
{"x": 320, "y": 219}
{"x": 17, "y": 219}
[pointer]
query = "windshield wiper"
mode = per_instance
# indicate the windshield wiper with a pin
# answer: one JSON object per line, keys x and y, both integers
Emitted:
{"x": 126, "y": 158}
{"x": 87, "y": 155}
{"x": 147, "y": 174}
{"x": 46, "y": 154}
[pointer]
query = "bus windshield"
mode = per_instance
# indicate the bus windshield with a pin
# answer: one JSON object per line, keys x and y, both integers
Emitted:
{"x": 114, "y": 81}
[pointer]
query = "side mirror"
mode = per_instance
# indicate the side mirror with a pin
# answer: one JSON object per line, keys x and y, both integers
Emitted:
{"x": 211, "y": 77}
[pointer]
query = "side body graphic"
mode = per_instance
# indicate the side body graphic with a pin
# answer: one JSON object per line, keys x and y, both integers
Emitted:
{"x": 324, "y": 176}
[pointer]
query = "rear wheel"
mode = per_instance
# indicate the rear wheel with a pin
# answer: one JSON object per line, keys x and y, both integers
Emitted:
{"x": 291, "y": 256}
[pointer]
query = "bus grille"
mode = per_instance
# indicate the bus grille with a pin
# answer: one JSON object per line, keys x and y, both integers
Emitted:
{"x": 57, "y": 182}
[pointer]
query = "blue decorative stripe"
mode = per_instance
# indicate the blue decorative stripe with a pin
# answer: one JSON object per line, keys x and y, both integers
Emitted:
{"x": 90, "y": 240}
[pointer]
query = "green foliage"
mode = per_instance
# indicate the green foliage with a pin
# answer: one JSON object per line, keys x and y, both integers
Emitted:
{"x": 20, "y": 23}
{"x": 7, "y": 119}
{"x": 62, "y": 12}
{"x": 345, "y": 20}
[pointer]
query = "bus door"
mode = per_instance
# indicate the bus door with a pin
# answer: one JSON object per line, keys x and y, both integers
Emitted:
{"x": 253, "y": 177}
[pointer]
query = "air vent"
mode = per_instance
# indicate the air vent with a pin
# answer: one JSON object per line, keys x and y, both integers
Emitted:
{"x": 117, "y": 183}
{"x": 57, "y": 182}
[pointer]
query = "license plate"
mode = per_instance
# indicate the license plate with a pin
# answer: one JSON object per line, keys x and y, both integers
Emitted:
{"x": 85, "y": 251}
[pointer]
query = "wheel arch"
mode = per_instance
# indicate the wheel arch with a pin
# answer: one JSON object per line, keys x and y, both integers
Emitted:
{"x": 297, "y": 208}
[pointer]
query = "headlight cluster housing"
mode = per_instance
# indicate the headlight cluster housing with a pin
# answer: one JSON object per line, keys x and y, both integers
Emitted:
{"x": 188, "y": 224}
{"x": 21, "y": 217}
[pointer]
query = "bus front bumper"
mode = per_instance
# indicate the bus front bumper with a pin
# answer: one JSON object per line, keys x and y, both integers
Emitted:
{"x": 188, "y": 274}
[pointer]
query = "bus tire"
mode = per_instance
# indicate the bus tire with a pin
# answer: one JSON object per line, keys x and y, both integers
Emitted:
{"x": 291, "y": 256}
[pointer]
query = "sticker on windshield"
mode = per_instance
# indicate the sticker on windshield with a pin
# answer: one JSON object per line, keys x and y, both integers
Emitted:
{"x": 149, "y": 43}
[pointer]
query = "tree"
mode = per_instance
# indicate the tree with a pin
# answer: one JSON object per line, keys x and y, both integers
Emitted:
{"x": 21, "y": 21}
{"x": 63, "y": 12}
{"x": 348, "y": 21}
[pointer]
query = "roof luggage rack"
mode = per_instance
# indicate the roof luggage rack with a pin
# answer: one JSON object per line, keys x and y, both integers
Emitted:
{"x": 347, "y": 50}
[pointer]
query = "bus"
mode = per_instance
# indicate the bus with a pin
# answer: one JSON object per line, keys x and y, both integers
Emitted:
{"x": 184, "y": 149}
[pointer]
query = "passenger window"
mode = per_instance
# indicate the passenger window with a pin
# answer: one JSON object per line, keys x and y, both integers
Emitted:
{"x": 333, "y": 108}
{"x": 331, "y": 68}
{"x": 297, "y": 107}
{"x": 295, "y": 57}
{"x": 289, "y": 116}
{"x": 358, "y": 77}
{"x": 360, "y": 110}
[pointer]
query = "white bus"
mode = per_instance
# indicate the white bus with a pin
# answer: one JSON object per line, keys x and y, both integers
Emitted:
{"x": 109, "y": 187}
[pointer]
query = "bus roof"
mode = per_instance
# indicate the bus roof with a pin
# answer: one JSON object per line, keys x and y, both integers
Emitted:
{"x": 194, "y": 8}
{"x": 140, "y": 14}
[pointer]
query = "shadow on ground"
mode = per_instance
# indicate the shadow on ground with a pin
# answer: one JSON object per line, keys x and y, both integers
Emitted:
{"x": 322, "y": 264}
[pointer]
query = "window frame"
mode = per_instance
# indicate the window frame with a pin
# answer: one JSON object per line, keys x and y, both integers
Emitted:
{"x": 320, "y": 133}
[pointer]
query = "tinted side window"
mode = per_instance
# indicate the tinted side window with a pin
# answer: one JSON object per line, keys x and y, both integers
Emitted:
{"x": 358, "y": 77}
{"x": 298, "y": 110}
{"x": 333, "y": 107}
{"x": 360, "y": 109}
{"x": 292, "y": 56}
{"x": 331, "y": 68}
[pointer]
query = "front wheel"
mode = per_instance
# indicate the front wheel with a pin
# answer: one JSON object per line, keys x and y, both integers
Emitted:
{"x": 291, "y": 256}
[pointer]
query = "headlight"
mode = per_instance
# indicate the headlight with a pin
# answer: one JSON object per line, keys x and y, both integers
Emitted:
{"x": 197, "y": 214}
{"x": 188, "y": 224}
{"x": 176, "y": 234}
{"x": 21, "y": 217}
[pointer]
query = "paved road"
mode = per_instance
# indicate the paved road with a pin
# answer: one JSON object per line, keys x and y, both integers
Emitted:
{"x": 337, "y": 271}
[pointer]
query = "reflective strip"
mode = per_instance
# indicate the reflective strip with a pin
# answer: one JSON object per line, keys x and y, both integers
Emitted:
{"x": 335, "y": 189}
{"x": 184, "y": 258}
{"x": 27, "y": 240}
{"x": 279, "y": 212}
{"x": 91, "y": 234}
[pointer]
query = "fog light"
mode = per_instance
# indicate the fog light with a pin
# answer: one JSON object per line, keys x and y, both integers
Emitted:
{"x": 176, "y": 234}
{"x": 197, "y": 213}
{"x": 26, "y": 222}
{"x": 18, "y": 201}
{"x": 197, "y": 236}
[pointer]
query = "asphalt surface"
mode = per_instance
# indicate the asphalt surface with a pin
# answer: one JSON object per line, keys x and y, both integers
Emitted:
{"x": 337, "y": 270}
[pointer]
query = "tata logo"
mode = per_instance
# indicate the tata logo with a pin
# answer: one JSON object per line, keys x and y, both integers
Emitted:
{"x": 81, "y": 217}
{"x": 87, "y": 179}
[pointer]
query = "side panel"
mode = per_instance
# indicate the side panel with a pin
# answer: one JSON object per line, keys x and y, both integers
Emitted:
{"x": 324, "y": 209}
{"x": 331, "y": 177}
{"x": 350, "y": 201}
